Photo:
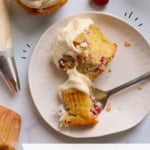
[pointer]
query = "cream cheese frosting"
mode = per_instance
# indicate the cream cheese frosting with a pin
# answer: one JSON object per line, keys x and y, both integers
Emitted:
{"x": 39, "y": 4}
{"x": 76, "y": 81}
{"x": 64, "y": 41}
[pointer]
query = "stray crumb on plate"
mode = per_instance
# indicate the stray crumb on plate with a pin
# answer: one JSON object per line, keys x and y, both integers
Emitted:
{"x": 109, "y": 107}
{"x": 140, "y": 87}
{"x": 109, "y": 70}
{"x": 108, "y": 75}
{"x": 127, "y": 44}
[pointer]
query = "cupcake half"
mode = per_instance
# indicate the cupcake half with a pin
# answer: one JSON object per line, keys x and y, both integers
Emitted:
{"x": 80, "y": 107}
{"x": 83, "y": 52}
{"x": 81, "y": 44}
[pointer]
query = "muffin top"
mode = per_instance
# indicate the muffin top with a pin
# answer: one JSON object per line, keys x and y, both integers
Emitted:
{"x": 39, "y": 4}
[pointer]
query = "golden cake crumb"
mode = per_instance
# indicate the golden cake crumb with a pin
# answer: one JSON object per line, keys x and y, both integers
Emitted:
{"x": 109, "y": 70}
{"x": 140, "y": 87}
{"x": 127, "y": 44}
{"x": 109, "y": 107}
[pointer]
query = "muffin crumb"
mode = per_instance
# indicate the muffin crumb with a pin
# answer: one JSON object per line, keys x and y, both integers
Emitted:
{"x": 109, "y": 107}
{"x": 127, "y": 44}
{"x": 109, "y": 70}
{"x": 140, "y": 87}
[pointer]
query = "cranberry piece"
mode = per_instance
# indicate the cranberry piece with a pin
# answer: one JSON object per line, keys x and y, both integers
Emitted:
{"x": 61, "y": 63}
{"x": 100, "y": 2}
{"x": 93, "y": 112}
{"x": 102, "y": 59}
{"x": 98, "y": 107}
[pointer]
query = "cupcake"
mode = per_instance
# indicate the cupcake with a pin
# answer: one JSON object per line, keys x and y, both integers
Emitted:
{"x": 81, "y": 44}
{"x": 83, "y": 52}
{"x": 80, "y": 107}
{"x": 40, "y": 7}
{"x": 10, "y": 125}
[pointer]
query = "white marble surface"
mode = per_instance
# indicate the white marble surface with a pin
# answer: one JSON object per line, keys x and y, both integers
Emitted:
{"x": 27, "y": 29}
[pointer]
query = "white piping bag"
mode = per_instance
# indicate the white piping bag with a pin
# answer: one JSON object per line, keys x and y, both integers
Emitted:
{"x": 7, "y": 62}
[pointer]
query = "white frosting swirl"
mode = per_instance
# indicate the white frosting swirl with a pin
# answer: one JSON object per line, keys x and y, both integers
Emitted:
{"x": 64, "y": 41}
{"x": 39, "y": 4}
{"x": 76, "y": 81}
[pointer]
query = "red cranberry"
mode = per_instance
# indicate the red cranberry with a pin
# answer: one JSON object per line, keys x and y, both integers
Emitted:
{"x": 61, "y": 63}
{"x": 100, "y": 2}
{"x": 102, "y": 59}
{"x": 93, "y": 112}
{"x": 97, "y": 107}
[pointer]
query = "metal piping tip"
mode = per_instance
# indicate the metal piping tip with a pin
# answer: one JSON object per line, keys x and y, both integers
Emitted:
{"x": 8, "y": 69}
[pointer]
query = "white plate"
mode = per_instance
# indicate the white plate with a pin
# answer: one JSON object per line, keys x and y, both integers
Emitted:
{"x": 129, "y": 107}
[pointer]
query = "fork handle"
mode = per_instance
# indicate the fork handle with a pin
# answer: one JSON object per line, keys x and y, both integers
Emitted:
{"x": 125, "y": 85}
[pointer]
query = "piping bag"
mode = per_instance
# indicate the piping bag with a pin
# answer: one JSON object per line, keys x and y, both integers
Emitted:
{"x": 7, "y": 62}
